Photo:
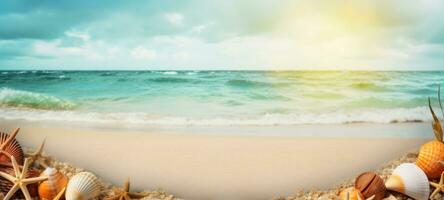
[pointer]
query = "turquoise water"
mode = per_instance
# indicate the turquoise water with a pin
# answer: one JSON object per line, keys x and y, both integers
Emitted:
{"x": 218, "y": 97}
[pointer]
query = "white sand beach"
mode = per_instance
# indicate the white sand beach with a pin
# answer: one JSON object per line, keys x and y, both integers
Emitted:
{"x": 220, "y": 167}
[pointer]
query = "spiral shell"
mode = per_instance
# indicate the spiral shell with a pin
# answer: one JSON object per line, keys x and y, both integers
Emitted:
{"x": 429, "y": 157}
{"x": 56, "y": 182}
{"x": 6, "y": 185}
{"x": 13, "y": 149}
{"x": 83, "y": 186}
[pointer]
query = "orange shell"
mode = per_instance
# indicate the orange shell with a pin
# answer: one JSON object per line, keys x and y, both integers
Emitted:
{"x": 354, "y": 194}
{"x": 13, "y": 149}
{"x": 428, "y": 159}
{"x": 56, "y": 182}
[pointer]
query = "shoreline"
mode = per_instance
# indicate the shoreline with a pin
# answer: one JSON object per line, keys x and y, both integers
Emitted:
{"x": 353, "y": 130}
{"x": 199, "y": 166}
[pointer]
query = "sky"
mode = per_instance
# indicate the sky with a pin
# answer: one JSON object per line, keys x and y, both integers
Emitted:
{"x": 222, "y": 34}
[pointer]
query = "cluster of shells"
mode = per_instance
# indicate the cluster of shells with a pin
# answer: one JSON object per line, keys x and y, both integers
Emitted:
{"x": 412, "y": 177}
{"x": 45, "y": 178}
{"x": 409, "y": 179}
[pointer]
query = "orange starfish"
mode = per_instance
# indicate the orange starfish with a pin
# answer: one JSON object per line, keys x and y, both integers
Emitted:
{"x": 20, "y": 181}
{"x": 125, "y": 194}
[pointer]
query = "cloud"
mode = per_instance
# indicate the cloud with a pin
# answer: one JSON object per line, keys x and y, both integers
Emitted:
{"x": 269, "y": 34}
{"x": 143, "y": 53}
{"x": 175, "y": 18}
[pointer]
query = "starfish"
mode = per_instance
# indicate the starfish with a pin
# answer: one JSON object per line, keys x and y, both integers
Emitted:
{"x": 439, "y": 187}
{"x": 20, "y": 181}
{"x": 37, "y": 157}
{"x": 125, "y": 194}
{"x": 7, "y": 143}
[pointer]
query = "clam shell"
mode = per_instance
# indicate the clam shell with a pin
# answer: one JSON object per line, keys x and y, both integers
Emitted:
{"x": 6, "y": 185}
{"x": 353, "y": 194}
{"x": 56, "y": 182}
{"x": 14, "y": 149}
{"x": 83, "y": 186}
{"x": 410, "y": 180}
{"x": 428, "y": 159}
{"x": 370, "y": 184}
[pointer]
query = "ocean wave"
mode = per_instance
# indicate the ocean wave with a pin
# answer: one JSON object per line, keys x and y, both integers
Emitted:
{"x": 169, "y": 73}
{"x": 368, "y": 86}
{"x": 397, "y": 115}
{"x": 24, "y": 99}
{"x": 241, "y": 83}
{"x": 170, "y": 80}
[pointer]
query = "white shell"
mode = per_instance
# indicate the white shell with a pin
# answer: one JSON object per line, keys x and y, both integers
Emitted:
{"x": 83, "y": 186}
{"x": 410, "y": 180}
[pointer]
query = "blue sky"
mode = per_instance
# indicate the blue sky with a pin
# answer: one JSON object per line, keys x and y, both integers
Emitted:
{"x": 228, "y": 34}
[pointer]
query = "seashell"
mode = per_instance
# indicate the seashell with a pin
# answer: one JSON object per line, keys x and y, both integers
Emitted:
{"x": 13, "y": 149}
{"x": 83, "y": 186}
{"x": 351, "y": 193}
{"x": 370, "y": 184}
{"x": 56, "y": 182}
{"x": 6, "y": 185}
{"x": 410, "y": 180}
{"x": 429, "y": 157}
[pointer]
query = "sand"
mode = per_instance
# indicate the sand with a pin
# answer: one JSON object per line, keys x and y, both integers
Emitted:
{"x": 215, "y": 166}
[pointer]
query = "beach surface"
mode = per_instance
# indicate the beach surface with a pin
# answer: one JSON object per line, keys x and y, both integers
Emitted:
{"x": 200, "y": 165}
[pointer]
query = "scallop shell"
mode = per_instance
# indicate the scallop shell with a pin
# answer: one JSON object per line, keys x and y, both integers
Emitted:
{"x": 6, "y": 185}
{"x": 83, "y": 186}
{"x": 56, "y": 182}
{"x": 410, "y": 180}
{"x": 353, "y": 194}
{"x": 14, "y": 149}
{"x": 429, "y": 157}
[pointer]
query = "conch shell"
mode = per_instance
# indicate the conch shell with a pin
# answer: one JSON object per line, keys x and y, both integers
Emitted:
{"x": 56, "y": 182}
{"x": 83, "y": 186}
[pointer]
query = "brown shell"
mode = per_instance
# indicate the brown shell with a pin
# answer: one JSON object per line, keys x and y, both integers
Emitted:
{"x": 56, "y": 182}
{"x": 353, "y": 194}
{"x": 370, "y": 184}
{"x": 429, "y": 157}
{"x": 6, "y": 185}
{"x": 13, "y": 149}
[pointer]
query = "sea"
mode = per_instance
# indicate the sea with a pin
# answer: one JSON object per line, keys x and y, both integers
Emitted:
{"x": 219, "y": 98}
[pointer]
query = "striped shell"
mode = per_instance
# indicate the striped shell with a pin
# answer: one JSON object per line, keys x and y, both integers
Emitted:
{"x": 56, "y": 182}
{"x": 351, "y": 193}
{"x": 83, "y": 186}
{"x": 13, "y": 149}
{"x": 410, "y": 180}
{"x": 370, "y": 184}
{"x": 429, "y": 157}
{"x": 6, "y": 185}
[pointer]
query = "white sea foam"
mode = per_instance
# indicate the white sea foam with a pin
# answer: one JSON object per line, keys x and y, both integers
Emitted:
{"x": 170, "y": 73}
{"x": 369, "y": 116}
